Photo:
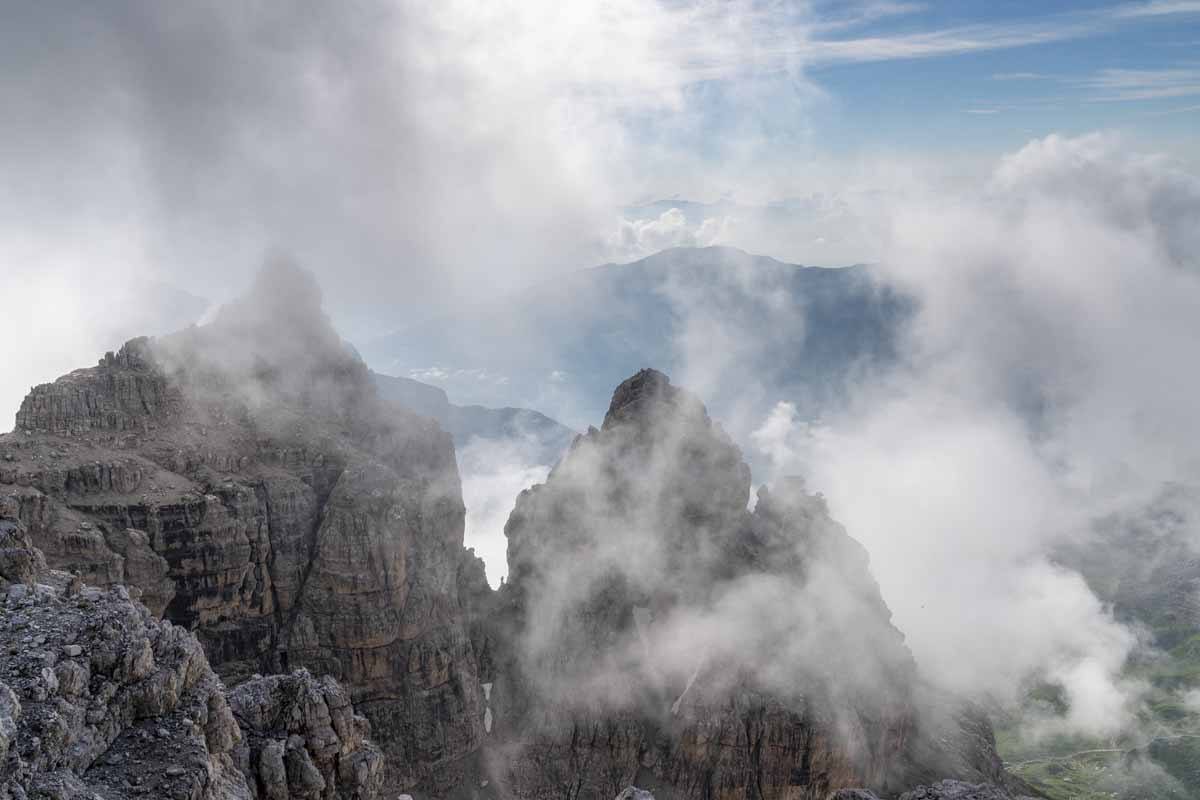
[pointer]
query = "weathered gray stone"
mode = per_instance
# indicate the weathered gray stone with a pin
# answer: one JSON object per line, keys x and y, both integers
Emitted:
{"x": 301, "y": 738}
{"x": 81, "y": 727}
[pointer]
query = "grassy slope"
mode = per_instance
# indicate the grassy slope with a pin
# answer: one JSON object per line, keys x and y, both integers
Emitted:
{"x": 1159, "y": 762}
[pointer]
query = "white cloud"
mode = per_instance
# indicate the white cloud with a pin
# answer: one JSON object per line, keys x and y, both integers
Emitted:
{"x": 1046, "y": 384}
{"x": 494, "y": 472}
{"x": 976, "y": 38}
{"x": 636, "y": 238}
{"x": 1124, "y": 85}
{"x": 1157, "y": 8}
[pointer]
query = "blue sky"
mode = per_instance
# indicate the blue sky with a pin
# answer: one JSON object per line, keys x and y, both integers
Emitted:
{"x": 1003, "y": 72}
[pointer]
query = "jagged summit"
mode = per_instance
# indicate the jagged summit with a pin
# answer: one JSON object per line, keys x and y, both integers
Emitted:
{"x": 270, "y": 359}
{"x": 658, "y": 483}
{"x": 247, "y": 479}
{"x": 649, "y": 396}
{"x": 654, "y": 628}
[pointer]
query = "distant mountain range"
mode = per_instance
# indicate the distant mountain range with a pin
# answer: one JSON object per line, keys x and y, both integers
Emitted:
{"x": 745, "y": 328}
{"x": 546, "y": 439}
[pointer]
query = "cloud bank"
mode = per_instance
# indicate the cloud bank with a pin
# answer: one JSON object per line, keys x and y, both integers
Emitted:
{"x": 1046, "y": 384}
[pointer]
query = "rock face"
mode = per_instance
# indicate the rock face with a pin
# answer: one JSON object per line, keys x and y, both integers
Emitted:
{"x": 301, "y": 739}
{"x": 656, "y": 633}
{"x": 99, "y": 699}
{"x": 247, "y": 483}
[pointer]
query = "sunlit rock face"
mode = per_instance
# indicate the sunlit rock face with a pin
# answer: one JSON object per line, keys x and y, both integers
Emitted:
{"x": 245, "y": 477}
{"x": 656, "y": 633}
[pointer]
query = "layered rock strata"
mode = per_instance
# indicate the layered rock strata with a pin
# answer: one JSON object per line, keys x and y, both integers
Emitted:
{"x": 99, "y": 699}
{"x": 244, "y": 480}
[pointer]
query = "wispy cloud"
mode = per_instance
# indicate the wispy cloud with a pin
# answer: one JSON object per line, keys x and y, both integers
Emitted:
{"x": 951, "y": 41}
{"x": 1184, "y": 110}
{"x": 1123, "y": 85}
{"x": 854, "y": 15}
{"x": 975, "y": 38}
{"x": 1157, "y": 8}
{"x": 1019, "y": 76}
{"x": 981, "y": 111}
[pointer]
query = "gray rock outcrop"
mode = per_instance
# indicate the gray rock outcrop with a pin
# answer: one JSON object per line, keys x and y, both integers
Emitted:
{"x": 301, "y": 739}
{"x": 100, "y": 699}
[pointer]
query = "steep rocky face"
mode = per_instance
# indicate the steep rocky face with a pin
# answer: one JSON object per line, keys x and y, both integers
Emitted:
{"x": 246, "y": 482}
{"x": 654, "y": 632}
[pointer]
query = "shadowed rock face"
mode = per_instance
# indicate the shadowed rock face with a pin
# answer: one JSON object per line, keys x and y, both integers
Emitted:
{"x": 246, "y": 479}
{"x": 654, "y": 632}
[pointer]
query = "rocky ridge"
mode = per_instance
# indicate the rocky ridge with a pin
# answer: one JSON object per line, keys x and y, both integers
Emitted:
{"x": 248, "y": 484}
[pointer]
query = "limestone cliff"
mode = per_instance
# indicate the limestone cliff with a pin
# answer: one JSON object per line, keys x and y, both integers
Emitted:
{"x": 246, "y": 482}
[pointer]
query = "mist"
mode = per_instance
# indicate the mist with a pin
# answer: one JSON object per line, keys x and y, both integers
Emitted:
{"x": 1044, "y": 386}
{"x": 418, "y": 158}
{"x": 415, "y": 157}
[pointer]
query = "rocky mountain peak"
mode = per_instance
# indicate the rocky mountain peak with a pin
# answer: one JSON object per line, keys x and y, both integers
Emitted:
{"x": 648, "y": 398}
{"x": 660, "y": 486}
{"x": 654, "y": 629}
{"x": 245, "y": 477}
